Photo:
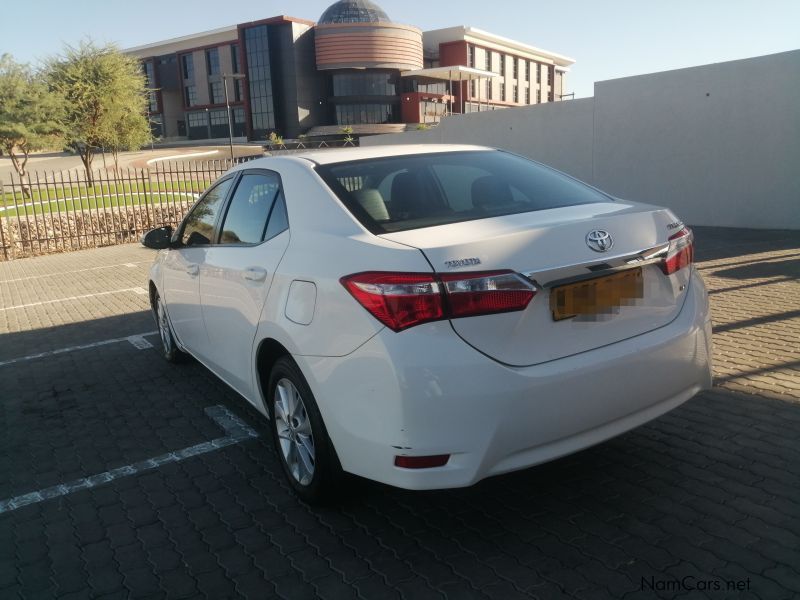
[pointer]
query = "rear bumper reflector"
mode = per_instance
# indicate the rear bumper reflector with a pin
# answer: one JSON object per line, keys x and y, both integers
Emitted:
{"x": 421, "y": 462}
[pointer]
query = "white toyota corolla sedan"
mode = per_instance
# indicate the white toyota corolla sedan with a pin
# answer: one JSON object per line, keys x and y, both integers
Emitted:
{"x": 428, "y": 316}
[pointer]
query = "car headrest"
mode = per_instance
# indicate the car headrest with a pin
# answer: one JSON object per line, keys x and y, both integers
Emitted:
{"x": 489, "y": 191}
{"x": 407, "y": 195}
{"x": 371, "y": 201}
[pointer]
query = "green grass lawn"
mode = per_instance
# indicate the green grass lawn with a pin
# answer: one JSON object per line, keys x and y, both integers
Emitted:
{"x": 80, "y": 197}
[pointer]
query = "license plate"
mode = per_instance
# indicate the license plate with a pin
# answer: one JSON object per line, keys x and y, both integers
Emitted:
{"x": 597, "y": 297}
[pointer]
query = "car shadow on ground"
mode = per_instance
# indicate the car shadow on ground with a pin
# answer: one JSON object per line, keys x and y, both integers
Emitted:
{"x": 32, "y": 341}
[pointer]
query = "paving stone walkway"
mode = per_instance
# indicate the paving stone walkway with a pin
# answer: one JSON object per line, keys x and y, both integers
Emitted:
{"x": 703, "y": 502}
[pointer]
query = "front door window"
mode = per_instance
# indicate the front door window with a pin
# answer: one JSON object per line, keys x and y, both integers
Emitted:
{"x": 198, "y": 227}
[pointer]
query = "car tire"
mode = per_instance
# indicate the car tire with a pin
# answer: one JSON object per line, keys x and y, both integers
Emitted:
{"x": 301, "y": 440}
{"x": 169, "y": 349}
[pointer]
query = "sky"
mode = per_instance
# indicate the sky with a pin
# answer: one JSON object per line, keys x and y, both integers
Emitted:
{"x": 608, "y": 39}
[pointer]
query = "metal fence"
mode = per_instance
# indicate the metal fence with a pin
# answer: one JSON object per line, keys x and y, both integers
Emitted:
{"x": 61, "y": 211}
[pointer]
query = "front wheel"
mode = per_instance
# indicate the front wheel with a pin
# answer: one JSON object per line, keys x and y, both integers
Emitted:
{"x": 301, "y": 440}
{"x": 169, "y": 349}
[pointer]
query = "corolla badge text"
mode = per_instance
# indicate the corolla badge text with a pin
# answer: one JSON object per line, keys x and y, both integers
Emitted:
{"x": 462, "y": 262}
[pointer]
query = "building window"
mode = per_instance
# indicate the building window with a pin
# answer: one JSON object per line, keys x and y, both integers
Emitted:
{"x": 488, "y": 89}
{"x": 156, "y": 126}
{"x": 503, "y": 91}
{"x": 488, "y": 60}
{"x": 527, "y": 95}
{"x": 216, "y": 95}
{"x": 187, "y": 62}
{"x": 502, "y": 64}
{"x": 538, "y": 73}
{"x": 363, "y": 84}
{"x": 358, "y": 114}
{"x": 538, "y": 96}
{"x": 470, "y": 55}
{"x": 219, "y": 123}
{"x": 259, "y": 76}
{"x": 198, "y": 125}
{"x": 238, "y": 90}
{"x": 413, "y": 84}
{"x": 239, "y": 129}
{"x": 212, "y": 61}
{"x": 549, "y": 75}
{"x": 527, "y": 70}
{"x": 152, "y": 100}
{"x": 190, "y": 95}
{"x": 515, "y": 91}
{"x": 235, "y": 58}
{"x": 472, "y": 88}
{"x": 516, "y": 67}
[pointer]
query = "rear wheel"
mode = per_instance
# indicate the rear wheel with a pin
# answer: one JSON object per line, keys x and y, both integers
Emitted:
{"x": 301, "y": 440}
{"x": 169, "y": 348}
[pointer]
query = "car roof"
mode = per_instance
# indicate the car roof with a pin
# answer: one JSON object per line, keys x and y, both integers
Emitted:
{"x": 337, "y": 155}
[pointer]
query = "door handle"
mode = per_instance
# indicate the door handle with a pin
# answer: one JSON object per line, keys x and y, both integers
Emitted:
{"x": 254, "y": 274}
{"x": 192, "y": 270}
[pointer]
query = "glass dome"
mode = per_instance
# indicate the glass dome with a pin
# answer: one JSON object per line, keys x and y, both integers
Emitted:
{"x": 353, "y": 11}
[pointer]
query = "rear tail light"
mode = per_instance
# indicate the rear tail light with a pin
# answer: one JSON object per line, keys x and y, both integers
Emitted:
{"x": 681, "y": 251}
{"x": 402, "y": 300}
{"x": 485, "y": 293}
{"x": 421, "y": 462}
{"x": 398, "y": 300}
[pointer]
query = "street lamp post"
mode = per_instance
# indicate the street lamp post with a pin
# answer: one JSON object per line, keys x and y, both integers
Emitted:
{"x": 225, "y": 77}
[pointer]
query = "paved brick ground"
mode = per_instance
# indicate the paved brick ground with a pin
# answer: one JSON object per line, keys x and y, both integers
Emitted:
{"x": 710, "y": 492}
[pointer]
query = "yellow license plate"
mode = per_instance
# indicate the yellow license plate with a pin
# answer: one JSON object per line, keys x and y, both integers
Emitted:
{"x": 599, "y": 296}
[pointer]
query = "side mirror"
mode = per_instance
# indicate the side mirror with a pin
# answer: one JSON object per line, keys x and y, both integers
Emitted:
{"x": 158, "y": 238}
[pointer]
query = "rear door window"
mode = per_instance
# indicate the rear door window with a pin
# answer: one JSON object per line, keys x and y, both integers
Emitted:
{"x": 409, "y": 192}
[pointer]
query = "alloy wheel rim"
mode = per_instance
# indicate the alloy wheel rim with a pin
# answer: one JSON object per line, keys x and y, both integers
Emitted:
{"x": 294, "y": 432}
{"x": 163, "y": 327}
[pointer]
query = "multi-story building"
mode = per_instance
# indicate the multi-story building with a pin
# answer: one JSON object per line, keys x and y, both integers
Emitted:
{"x": 354, "y": 67}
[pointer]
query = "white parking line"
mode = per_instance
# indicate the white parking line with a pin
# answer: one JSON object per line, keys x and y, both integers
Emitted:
{"x": 235, "y": 430}
{"x": 136, "y": 290}
{"x": 139, "y": 342}
{"x": 133, "y": 339}
{"x": 132, "y": 265}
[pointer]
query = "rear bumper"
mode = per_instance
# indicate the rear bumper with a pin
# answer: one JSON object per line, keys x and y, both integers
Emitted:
{"x": 426, "y": 392}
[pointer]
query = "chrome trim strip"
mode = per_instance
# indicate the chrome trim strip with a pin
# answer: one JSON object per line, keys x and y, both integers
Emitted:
{"x": 549, "y": 278}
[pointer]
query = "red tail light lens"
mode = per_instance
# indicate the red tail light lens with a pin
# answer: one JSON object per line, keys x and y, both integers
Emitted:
{"x": 681, "y": 251}
{"x": 485, "y": 293}
{"x": 398, "y": 300}
{"x": 402, "y": 300}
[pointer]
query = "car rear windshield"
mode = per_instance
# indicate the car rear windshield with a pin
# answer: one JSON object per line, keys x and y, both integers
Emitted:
{"x": 424, "y": 190}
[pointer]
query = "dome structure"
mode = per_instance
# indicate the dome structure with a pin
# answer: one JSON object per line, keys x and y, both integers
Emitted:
{"x": 353, "y": 11}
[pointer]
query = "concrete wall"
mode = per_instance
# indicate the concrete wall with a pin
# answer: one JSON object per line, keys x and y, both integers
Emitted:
{"x": 719, "y": 144}
{"x": 554, "y": 133}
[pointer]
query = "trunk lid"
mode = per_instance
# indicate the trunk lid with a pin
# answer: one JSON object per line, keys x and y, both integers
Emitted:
{"x": 550, "y": 247}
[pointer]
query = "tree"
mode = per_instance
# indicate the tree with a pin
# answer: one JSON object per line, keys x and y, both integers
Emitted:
{"x": 125, "y": 129}
{"x": 105, "y": 96}
{"x": 29, "y": 115}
